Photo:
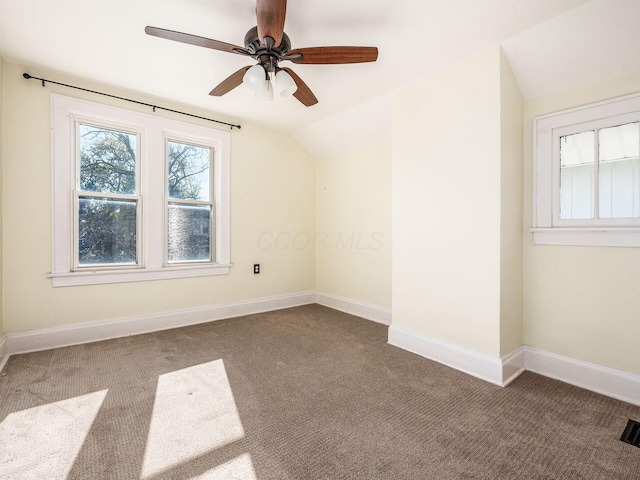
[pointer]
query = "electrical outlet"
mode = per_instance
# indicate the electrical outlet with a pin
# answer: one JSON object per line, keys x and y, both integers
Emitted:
{"x": 256, "y": 268}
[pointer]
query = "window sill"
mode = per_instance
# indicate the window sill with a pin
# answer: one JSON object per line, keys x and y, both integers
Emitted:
{"x": 588, "y": 237}
{"x": 98, "y": 277}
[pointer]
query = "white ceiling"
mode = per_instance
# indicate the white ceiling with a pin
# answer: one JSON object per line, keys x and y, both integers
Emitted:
{"x": 551, "y": 44}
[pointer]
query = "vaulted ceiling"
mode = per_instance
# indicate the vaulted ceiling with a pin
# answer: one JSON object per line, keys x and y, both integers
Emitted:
{"x": 551, "y": 44}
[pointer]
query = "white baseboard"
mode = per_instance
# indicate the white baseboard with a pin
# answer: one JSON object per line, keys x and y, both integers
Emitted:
{"x": 4, "y": 351}
{"x": 55, "y": 337}
{"x": 590, "y": 376}
{"x": 354, "y": 307}
{"x": 500, "y": 371}
{"x": 485, "y": 367}
{"x": 513, "y": 365}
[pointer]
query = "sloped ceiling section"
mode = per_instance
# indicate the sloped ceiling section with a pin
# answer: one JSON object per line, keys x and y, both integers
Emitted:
{"x": 355, "y": 127}
{"x": 589, "y": 43}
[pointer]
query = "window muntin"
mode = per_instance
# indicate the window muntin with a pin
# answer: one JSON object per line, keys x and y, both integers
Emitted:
{"x": 107, "y": 197}
{"x": 190, "y": 206}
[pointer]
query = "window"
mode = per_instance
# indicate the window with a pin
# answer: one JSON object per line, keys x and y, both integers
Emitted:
{"x": 190, "y": 207}
{"x": 587, "y": 175}
{"x": 106, "y": 198}
{"x": 136, "y": 197}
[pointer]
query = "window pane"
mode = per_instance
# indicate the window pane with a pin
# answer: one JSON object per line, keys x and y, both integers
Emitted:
{"x": 107, "y": 231}
{"x": 619, "y": 149}
{"x": 189, "y": 171}
{"x": 577, "y": 163}
{"x": 107, "y": 160}
{"x": 189, "y": 233}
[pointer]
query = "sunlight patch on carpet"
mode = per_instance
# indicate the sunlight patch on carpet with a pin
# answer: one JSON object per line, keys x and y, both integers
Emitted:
{"x": 194, "y": 412}
{"x": 43, "y": 442}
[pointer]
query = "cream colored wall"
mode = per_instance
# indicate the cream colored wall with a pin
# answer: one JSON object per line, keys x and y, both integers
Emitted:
{"x": 1, "y": 203}
{"x": 272, "y": 190}
{"x": 583, "y": 302}
{"x": 447, "y": 204}
{"x": 511, "y": 186}
{"x": 353, "y": 223}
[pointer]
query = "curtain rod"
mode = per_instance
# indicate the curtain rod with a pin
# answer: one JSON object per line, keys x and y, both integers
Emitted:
{"x": 43, "y": 80}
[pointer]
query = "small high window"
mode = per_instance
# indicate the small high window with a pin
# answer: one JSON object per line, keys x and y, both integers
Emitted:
{"x": 587, "y": 175}
{"x": 599, "y": 173}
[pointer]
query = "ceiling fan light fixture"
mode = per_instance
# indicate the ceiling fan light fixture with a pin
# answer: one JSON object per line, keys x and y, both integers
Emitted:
{"x": 255, "y": 79}
{"x": 285, "y": 85}
{"x": 266, "y": 93}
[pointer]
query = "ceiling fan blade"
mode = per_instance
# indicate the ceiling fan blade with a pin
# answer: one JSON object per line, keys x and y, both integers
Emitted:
{"x": 195, "y": 40}
{"x": 333, "y": 55}
{"x": 271, "y": 15}
{"x": 303, "y": 93}
{"x": 229, "y": 83}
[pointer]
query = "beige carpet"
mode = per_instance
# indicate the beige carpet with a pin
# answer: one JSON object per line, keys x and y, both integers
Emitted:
{"x": 304, "y": 393}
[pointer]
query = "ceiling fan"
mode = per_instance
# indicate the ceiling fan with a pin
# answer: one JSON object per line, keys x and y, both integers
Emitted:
{"x": 269, "y": 45}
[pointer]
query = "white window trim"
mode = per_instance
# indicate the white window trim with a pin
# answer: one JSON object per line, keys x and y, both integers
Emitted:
{"x": 547, "y": 228}
{"x": 154, "y": 130}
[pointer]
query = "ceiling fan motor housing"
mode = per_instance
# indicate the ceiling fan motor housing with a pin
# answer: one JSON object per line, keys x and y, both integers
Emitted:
{"x": 260, "y": 52}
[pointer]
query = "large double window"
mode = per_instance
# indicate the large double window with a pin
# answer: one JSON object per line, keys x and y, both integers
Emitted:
{"x": 136, "y": 197}
{"x": 587, "y": 175}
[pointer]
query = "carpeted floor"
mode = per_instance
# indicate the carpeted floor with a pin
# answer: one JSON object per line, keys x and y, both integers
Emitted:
{"x": 304, "y": 393}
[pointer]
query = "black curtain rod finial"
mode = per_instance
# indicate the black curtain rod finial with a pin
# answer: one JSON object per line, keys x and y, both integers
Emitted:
{"x": 231, "y": 125}
{"x": 28, "y": 77}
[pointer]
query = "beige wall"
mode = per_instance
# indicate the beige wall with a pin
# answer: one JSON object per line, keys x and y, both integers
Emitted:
{"x": 511, "y": 186}
{"x": 1, "y": 203}
{"x": 353, "y": 222}
{"x": 583, "y": 302}
{"x": 272, "y": 190}
{"x": 446, "y": 204}
{"x": 457, "y": 205}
